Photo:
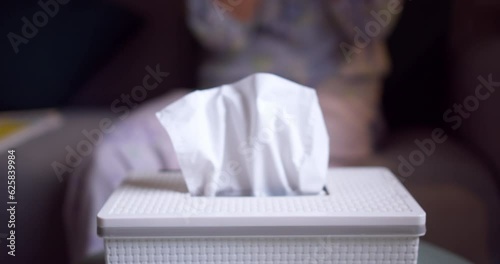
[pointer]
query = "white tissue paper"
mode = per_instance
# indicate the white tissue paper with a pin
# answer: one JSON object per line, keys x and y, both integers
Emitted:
{"x": 261, "y": 136}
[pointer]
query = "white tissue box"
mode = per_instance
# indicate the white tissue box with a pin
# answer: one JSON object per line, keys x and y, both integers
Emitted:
{"x": 366, "y": 217}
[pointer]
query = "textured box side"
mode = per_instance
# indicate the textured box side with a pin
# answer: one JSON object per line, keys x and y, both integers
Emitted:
{"x": 290, "y": 250}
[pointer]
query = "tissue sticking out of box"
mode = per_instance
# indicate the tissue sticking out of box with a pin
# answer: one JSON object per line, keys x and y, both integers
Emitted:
{"x": 260, "y": 136}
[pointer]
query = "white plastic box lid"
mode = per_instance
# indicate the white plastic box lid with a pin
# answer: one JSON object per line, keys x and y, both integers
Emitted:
{"x": 359, "y": 202}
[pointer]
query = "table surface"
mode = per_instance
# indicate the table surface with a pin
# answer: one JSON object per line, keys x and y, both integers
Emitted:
{"x": 430, "y": 254}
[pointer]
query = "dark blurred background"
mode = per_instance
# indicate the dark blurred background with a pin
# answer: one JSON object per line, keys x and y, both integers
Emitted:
{"x": 92, "y": 51}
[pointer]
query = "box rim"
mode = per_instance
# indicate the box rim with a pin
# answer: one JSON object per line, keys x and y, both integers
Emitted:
{"x": 346, "y": 223}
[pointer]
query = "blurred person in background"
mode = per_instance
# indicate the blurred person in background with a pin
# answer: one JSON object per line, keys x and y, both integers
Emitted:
{"x": 315, "y": 43}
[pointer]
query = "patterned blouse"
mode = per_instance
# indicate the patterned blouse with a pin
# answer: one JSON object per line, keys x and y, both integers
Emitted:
{"x": 304, "y": 41}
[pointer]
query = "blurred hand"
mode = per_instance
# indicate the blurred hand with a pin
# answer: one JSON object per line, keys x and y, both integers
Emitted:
{"x": 350, "y": 109}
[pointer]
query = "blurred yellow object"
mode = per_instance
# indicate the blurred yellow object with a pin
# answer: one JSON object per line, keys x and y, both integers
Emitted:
{"x": 17, "y": 127}
{"x": 9, "y": 127}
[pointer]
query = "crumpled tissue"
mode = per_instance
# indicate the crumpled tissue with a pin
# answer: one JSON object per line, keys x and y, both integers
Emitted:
{"x": 261, "y": 136}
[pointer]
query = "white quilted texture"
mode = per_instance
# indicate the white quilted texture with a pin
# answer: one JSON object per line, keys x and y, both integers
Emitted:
{"x": 365, "y": 194}
{"x": 166, "y": 194}
{"x": 275, "y": 250}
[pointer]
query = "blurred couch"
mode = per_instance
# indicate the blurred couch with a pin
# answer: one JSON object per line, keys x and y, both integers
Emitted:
{"x": 435, "y": 64}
